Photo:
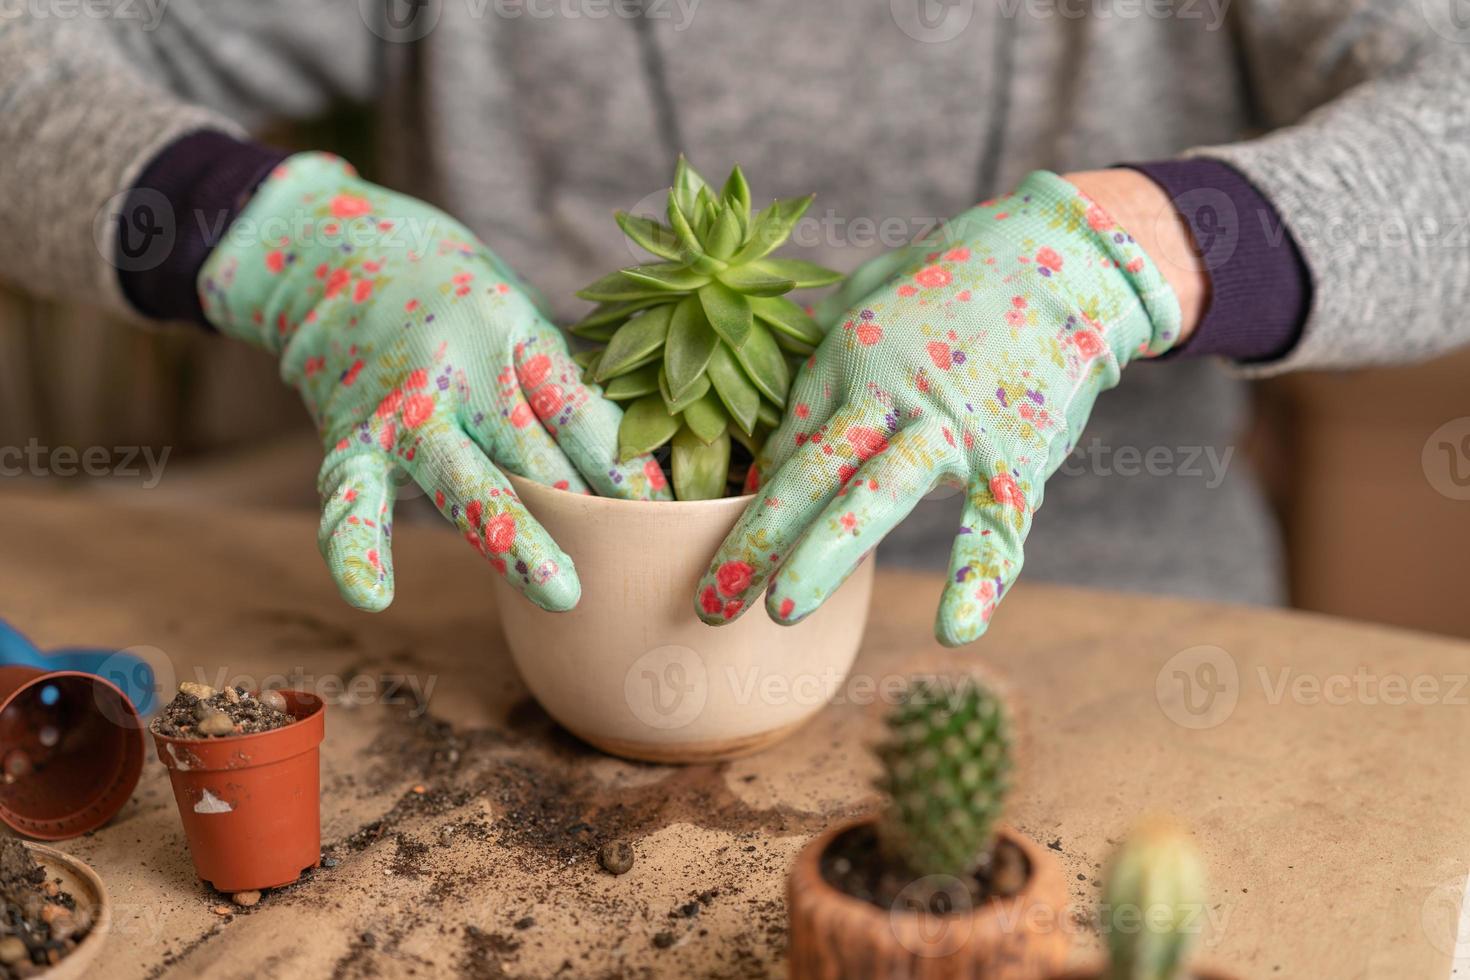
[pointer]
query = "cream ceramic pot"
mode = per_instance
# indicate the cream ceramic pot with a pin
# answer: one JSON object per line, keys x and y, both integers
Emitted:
{"x": 634, "y": 671}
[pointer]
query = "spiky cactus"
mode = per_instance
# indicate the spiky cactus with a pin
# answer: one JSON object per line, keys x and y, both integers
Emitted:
{"x": 946, "y": 768}
{"x": 697, "y": 345}
{"x": 1154, "y": 890}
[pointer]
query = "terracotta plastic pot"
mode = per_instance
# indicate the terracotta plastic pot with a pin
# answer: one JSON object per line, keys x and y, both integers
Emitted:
{"x": 71, "y": 751}
{"x": 837, "y": 937}
{"x": 251, "y": 804}
{"x": 634, "y": 671}
{"x": 82, "y": 883}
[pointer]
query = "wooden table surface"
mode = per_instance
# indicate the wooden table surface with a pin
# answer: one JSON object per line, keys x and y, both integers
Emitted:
{"x": 1320, "y": 762}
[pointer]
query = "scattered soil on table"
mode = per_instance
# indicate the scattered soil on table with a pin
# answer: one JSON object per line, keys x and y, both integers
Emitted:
{"x": 855, "y": 864}
{"x": 42, "y": 923}
{"x": 190, "y": 716}
{"x": 524, "y": 793}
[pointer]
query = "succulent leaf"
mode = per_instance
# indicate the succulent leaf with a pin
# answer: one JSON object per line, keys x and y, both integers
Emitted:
{"x": 687, "y": 185}
{"x": 946, "y": 769}
{"x": 753, "y": 282}
{"x": 649, "y": 235}
{"x": 736, "y": 193}
{"x": 700, "y": 469}
{"x": 766, "y": 414}
{"x": 635, "y": 340}
{"x": 611, "y": 314}
{"x": 706, "y": 417}
{"x": 693, "y": 393}
{"x": 634, "y": 384}
{"x": 724, "y": 235}
{"x": 786, "y": 317}
{"x": 740, "y": 397}
{"x": 690, "y": 248}
{"x": 690, "y": 345}
{"x": 618, "y": 288}
{"x": 646, "y": 425}
{"x": 728, "y": 312}
{"x": 765, "y": 365}
{"x": 804, "y": 274}
{"x": 670, "y": 277}
{"x": 1154, "y": 890}
{"x": 772, "y": 227}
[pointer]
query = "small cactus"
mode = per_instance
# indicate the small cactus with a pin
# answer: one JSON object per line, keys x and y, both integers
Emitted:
{"x": 1154, "y": 891}
{"x": 946, "y": 768}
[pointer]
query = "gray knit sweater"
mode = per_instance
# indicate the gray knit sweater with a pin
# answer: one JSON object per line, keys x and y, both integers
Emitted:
{"x": 531, "y": 120}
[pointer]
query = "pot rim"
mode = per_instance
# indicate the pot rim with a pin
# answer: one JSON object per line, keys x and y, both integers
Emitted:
{"x": 317, "y": 707}
{"x": 525, "y": 486}
{"x": 813, "y": 851}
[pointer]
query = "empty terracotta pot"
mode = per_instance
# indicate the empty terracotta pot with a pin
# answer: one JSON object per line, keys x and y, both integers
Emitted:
{"x": 835, "y": 936}
{"x": 634, "y": 671}
{"x": 71, "y": 751}
{"x": 251, "y": 804}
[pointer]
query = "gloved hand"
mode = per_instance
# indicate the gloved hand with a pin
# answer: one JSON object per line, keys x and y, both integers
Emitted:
{"x": 974, "y": 362}
{"x": 415, "y": 349}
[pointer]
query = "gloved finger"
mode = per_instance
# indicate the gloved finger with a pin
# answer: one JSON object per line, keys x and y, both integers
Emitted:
{"x": 517, "y": 440}
{"x": 776, "y": 519}
{"x": 582, "y": 422}
{"x": 476, "y": 498}
{"x": 987, "y": 554}
{"x": 356, "y": 530}
{"x": 809, "y": 406}
{"x": 882, "y": 492}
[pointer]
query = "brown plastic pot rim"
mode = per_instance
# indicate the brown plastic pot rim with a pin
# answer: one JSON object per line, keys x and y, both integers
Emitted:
{"x": 1027, "y": 846}
{"x": 246, "y": 737}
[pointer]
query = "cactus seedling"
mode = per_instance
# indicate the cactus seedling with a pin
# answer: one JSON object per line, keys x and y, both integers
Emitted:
{"x": 1155, "y": 886}
{"x": 946, "y": 767}
{"x": 699, "y": 346}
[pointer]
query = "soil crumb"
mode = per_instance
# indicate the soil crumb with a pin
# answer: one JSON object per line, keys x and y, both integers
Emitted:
{"x": 202, "y": 712}
{"x": 855, "y": 864}
{"x": 42, "y": 923}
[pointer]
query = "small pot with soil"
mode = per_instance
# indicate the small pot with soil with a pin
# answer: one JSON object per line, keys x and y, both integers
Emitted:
{"x": 931, "y": 888}
{"x": 1152, "y": 908}
{"x": 245, "y": 770}
{"x": 56, "y": 913}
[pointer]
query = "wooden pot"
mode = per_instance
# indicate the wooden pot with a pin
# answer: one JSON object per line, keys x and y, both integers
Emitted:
{"x": 837, "y": 937}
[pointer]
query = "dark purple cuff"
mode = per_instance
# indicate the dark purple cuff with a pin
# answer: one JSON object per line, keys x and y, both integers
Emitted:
{"x": 1260, "y": 289}
{"x": 177, "y": 211}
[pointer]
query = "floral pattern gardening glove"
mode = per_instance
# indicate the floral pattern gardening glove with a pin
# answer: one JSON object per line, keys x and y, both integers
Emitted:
{"x": 415, "y": 349}
{"x": 973, "y": 363}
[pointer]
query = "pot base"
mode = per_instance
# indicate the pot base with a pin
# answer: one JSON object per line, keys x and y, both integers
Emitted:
{"x": 689, "y": 753}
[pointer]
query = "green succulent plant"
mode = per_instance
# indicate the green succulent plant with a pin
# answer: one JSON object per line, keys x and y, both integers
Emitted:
{"x": 699, "y": 346}
{"x": 946, "y": 768}
{"x": 1154, "y": 888}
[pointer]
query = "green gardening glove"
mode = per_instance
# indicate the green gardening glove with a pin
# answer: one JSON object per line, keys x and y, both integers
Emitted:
{"x": 973, "y": 362}
{"x": 415, "y": 349}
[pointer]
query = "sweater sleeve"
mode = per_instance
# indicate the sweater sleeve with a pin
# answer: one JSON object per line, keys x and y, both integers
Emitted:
{"x": 90, "y": 100}
{"x": 1368, "y": 166}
